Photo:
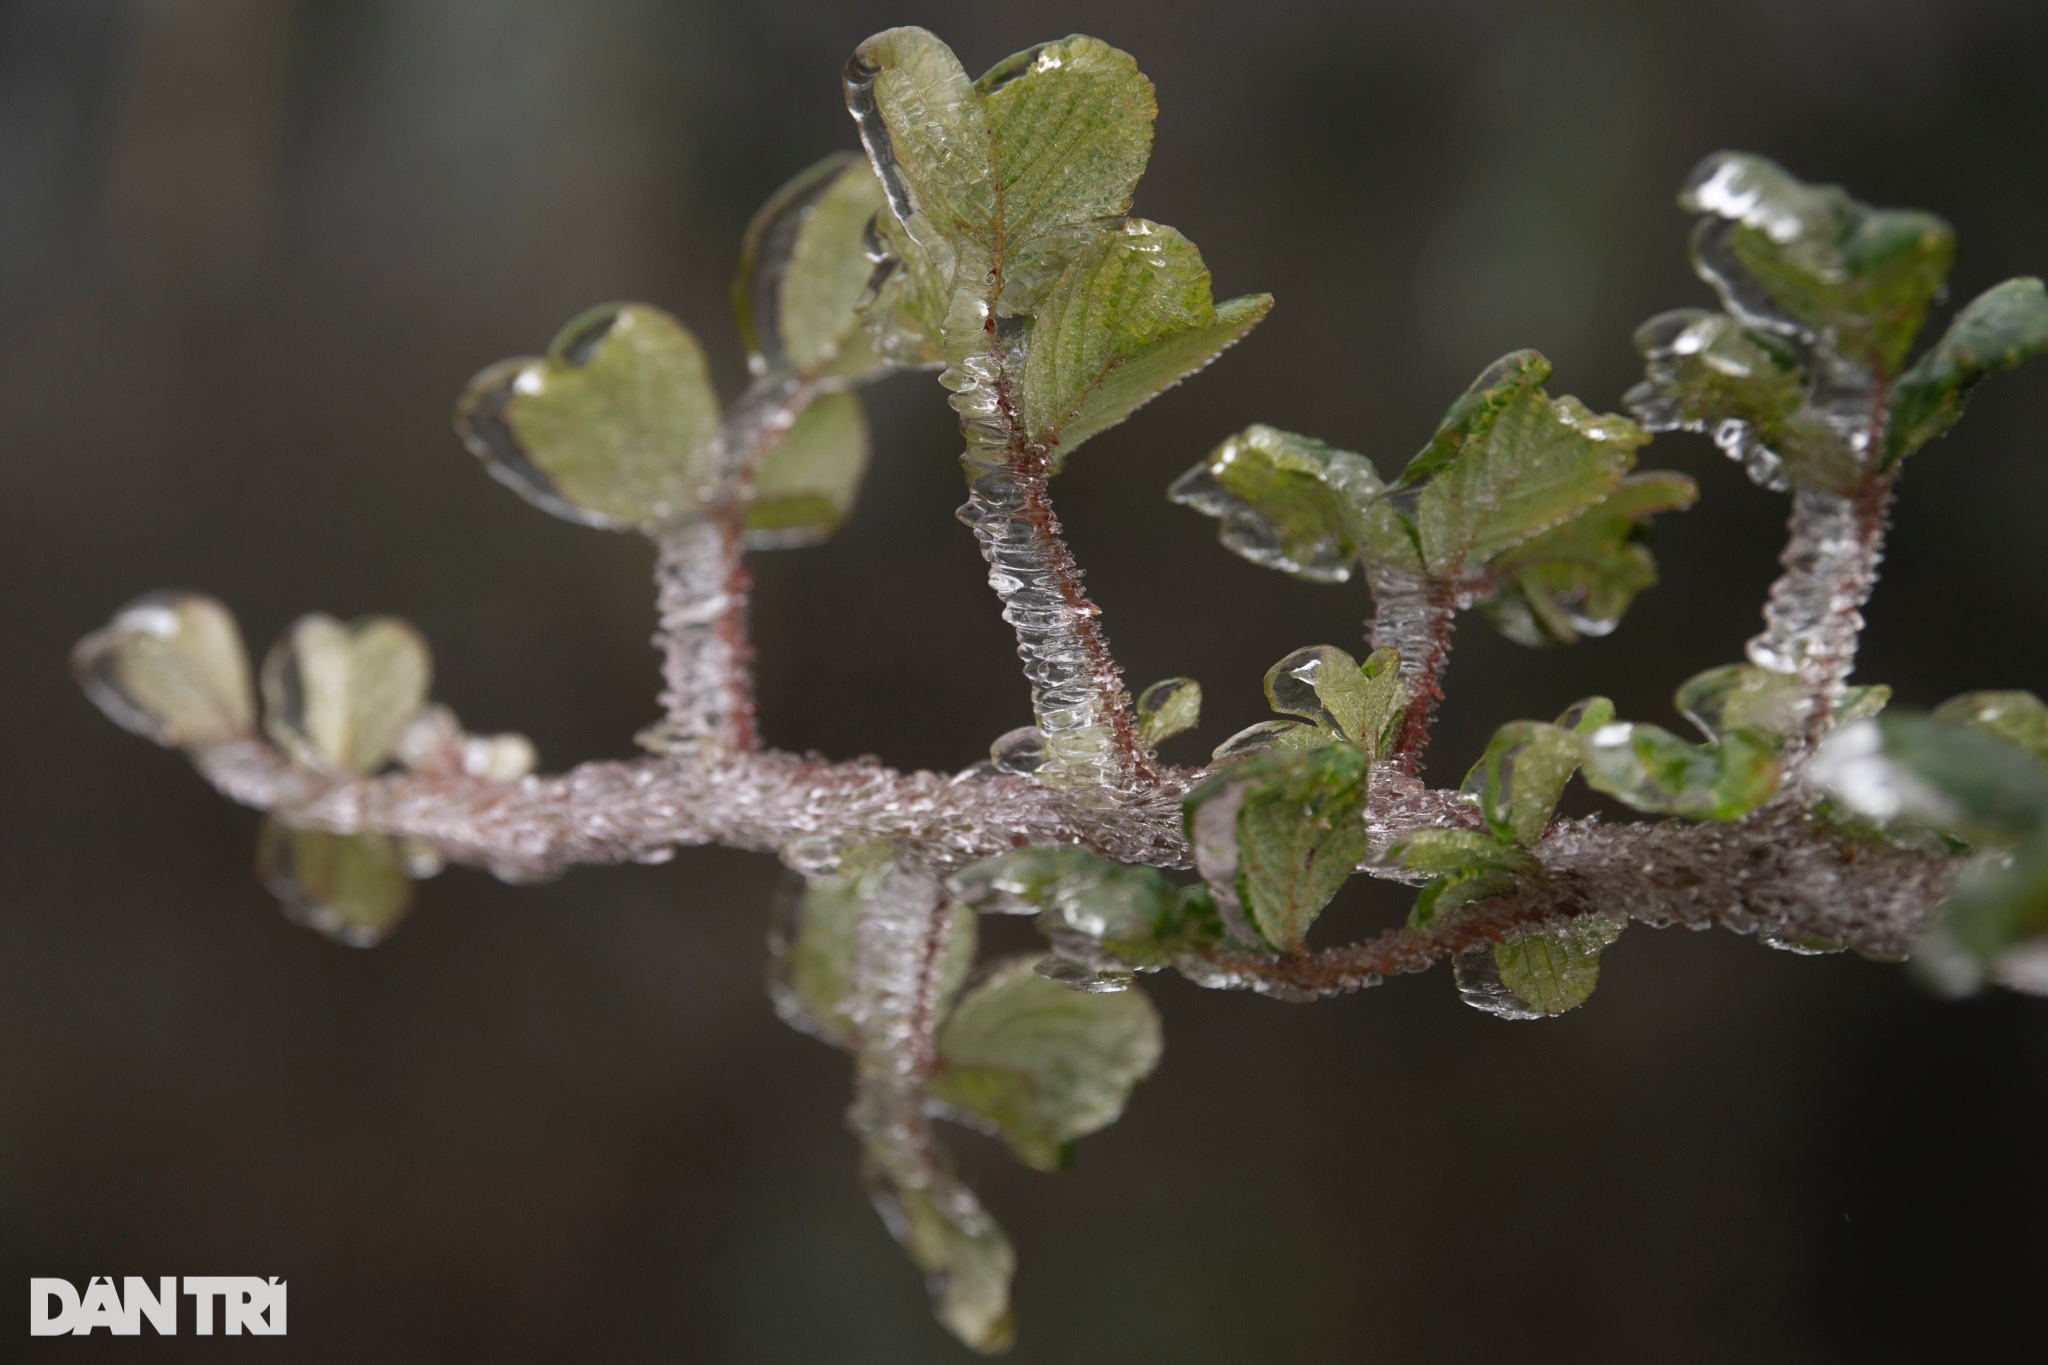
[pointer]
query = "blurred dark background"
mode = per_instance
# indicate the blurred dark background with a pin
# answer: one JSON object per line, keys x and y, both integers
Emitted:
{"x": 251, "y": 249}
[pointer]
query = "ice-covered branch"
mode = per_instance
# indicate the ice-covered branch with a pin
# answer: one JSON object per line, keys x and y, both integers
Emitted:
{"x": 1815, "y": 612}
{"x": 1416, "y": 616}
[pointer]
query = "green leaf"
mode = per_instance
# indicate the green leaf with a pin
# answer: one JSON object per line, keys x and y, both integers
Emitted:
{"x": 1013, "y": 174}
{"x": 1810, "y": 259}
{"x": 1586, "y": 715}
{"x": 1042, "y": 1065}
{"x": 1128, "y": 319}
{"x": 1743, "y": 697}
{"x": 804, "y": 268}
{"x": 1578, "y": 579}
{"x": 171, "y": 667}
{"x": 1651, "y": 769}
{"x": 1946, "y": 774}
{"x": 808, "y": 483}
{"x": 1465, "y": 867}
{"x": 2001, "y": 327}
{"x": 966, "y": 1259}
{"x": 1998, "y": 916}
{"x": 1519, "y": 779}
{"x": 1106, "y": 916}
{"x": 812, "y": 944}
{"x": 351, "y": 887}
{"x": 1276, "y": 834}
{"x": 1168, "y": 708}
{"x": 1361, "y": 702}
{"x": 1286, "y": 502}
{"x": 906, "y": 313}
{"x": 1540, "y": 976}
{"x": 2018, "y": 718}
{"x": 616, "y": 427}
{"x": 1508, "y": 463}
{"x": 340, "y": 696}
{"x": 1270, "y": 734}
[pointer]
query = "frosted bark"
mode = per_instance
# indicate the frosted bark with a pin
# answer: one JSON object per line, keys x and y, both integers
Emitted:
{"x": 1814, "y": 614}
{"x": 1415, "y": 616}
{"x": 1077, "y": 691}
{"x": 701, "y": 590}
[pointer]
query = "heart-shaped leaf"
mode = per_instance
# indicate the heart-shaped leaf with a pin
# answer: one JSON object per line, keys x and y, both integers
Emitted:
{"x": 1362, "y": 703}
{"x": 1168, "y": 708}
{"x": 1042, "y": 1065}
{"x": 617, "y": 427}
{"x": 1578, "y": 579}
{"x": 341, "y": 696}
{"x": 351, "y": 887}
{"x": 171, "y": 667}
{"x": 804, "y": 268}
{"x": 809, "y": 480}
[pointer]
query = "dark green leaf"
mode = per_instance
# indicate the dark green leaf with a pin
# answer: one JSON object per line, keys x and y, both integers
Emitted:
{"x": 2001, "y": 327}
{"x": 1518, "y": 781}
{"x": 1276, "y": 834}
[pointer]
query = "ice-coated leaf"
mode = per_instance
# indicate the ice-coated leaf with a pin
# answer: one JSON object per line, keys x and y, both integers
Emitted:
{"x": 1652, "y": 769}
{"x": 1128, "y": 318}
{"x": 811, "y": 944}
{"x": 616, "y": 427}
{"x": 1286, "y": 502}
{"x": 351, "y": 887}
{"x": 1323, "y": 684}
{"x": 1269, "y": 734}
{"x": 1465, "y": 867}
{"x": 1586, "y": 715}
{"x": 341, "y": 696}
{"x": 1106, "y": 918}
{"x": 171, "y": 667}
{"x": 906, "y": 313}
{"x": 1945, "y": 773}
{"x": 1810, "y": 260}
{"x": 1016, "y": 172}
{"x": 1040, "y": 1064}
{"x": 808, "y": 483}
{"x": 1578, "y": 579}
{"x": 2001, "y": 327}
{"x": 1743, "y": 697}
{"x": 1539, "y": 976}
{"x": 966, "y": 1259}
{"x": 1519, "y": 779}
{"x": 1168, "y": 708}
{"x": 804, "y": 268}
{"x": 1294, "y": 820}
{"x": 1995, "y": 926}
{"x": 2018, "y": 718}
{"x": 1507, "y": 464}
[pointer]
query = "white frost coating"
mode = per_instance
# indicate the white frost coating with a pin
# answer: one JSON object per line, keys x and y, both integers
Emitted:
{"x": 707, "y": 692}
{"x": 1814, "y": 614}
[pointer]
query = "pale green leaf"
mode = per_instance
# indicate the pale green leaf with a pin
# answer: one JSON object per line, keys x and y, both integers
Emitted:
{"x": 804, "y": 267}
{"x": 1360, "y": 702}
{"x": 966, "y": 1259}
{"x": 171, "y": 667}
{"x": 1465, "y": 867}
{"x": 615, "y": 428}
{"x": 351, "y": 887}
{"x": 1287, "y": 502}
{"x": 808, "y": 483}
{"x": 1040, "y": 1064}
{"x": 1168, "y": 708}
{"x": 2001, "y": 327}
{"x": 340, "y": 696}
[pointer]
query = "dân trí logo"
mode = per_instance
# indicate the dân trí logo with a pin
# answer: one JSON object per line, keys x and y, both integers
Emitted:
{"x": 248, "y": 1303}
